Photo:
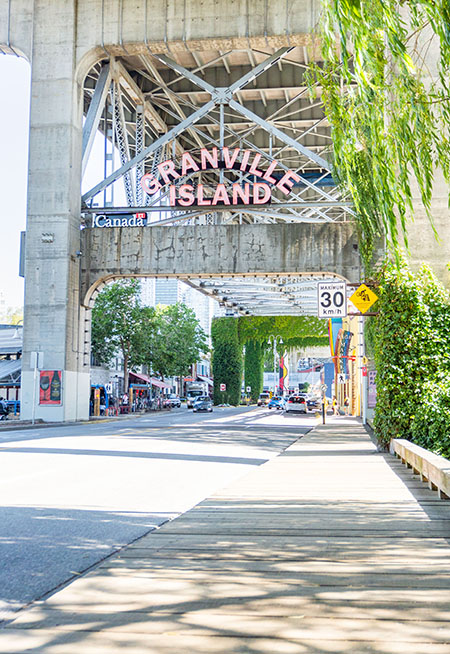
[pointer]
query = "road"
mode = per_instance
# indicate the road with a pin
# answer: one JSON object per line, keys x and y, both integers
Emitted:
{"x": 73, "y": 495}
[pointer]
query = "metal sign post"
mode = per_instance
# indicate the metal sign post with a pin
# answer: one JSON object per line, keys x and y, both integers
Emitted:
{"x": 36, "y": 362}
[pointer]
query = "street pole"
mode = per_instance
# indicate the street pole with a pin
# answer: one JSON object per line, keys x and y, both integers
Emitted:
{"x": 37, "y": 360}
{"x": 33, "y": 413}
{"x": 274, "y": 366}
{"x": 361, "y": 366}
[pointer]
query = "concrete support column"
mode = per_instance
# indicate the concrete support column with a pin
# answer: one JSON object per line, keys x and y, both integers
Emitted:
{"x": 52, "y": 269}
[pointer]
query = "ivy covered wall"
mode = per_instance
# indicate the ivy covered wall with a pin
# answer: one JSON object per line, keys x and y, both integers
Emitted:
{"x": 410, "y": 339}
{"x": 226, "y": 360}
{"x": 229, "y": 335}
{"x": 253, "y": 368}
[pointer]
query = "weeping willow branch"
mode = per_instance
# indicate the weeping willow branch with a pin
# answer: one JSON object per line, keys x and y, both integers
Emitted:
{"x": 389, "y": 118}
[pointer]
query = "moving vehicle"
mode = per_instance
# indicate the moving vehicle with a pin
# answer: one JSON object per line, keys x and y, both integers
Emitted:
{"x": 195, "y": 390}
{"x": 296, "y": 403}
{"x": 314, "y": 404}
{"x": 277, "y": 402}
{"x": 263, "y": 399}
{"x": 173, "y": 400}
{"x": 203, "y": 403}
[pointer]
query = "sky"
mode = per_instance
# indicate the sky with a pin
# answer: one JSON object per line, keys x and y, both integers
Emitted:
{"x": 14, "y": 116}
{"x": 14, "y": 126}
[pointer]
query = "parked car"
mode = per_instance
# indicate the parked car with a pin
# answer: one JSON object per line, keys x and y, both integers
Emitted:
{"x": 173, "y": 400}
{"x": 296, "y": 403}
{"x": 263, "y": 399}
{"x": 277, "y": 403}
{"x": 203, "y": 403}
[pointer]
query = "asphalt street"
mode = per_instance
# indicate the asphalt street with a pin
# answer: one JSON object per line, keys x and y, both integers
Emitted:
{"x": 73, "y": 495}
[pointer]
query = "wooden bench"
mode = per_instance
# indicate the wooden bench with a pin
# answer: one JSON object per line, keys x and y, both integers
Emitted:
{"x": 432, "y": 468}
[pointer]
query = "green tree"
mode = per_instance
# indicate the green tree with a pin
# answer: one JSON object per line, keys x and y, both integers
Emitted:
{"x": 227, "y": 360}
{"x": 253, "y": 366}
{"x": 118, "y": 325}
{"x": 176, "y": 342}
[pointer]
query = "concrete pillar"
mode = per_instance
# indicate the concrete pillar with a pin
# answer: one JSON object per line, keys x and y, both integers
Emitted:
{"x": 52, "y": 268}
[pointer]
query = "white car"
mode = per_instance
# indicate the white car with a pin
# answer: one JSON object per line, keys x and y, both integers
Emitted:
{"x": 296, "y": 403}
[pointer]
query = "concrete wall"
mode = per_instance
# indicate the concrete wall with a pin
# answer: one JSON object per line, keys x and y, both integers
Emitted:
{"x": 218, "y": 249}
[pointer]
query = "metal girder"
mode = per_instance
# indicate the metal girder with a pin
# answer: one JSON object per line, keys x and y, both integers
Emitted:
{"x": 139, "y": 145}
{"x": 135, "y": 93}
{"x": 221, "y": 96}
{"x": 162, "y": 140}
{"x": 265, "y": 295}
{"x": 284, "y": 138}
{"x": 94, "y": 112}
{"x": 122, "y": 143}
{"x": 170, "y": 94}
{"x": 184, "y": 72}
{"x": 225, "y": 95}
{"x": 261, "y": 68}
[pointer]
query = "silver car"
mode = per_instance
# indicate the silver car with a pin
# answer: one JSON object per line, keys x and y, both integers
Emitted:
{"x": 203, "y": 403}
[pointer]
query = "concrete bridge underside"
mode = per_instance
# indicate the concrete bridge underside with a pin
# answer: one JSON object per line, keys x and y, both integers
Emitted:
{"x": 141, "y": 71}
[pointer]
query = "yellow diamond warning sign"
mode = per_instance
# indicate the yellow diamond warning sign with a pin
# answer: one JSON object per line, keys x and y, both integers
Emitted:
{"x": 363, "y": 298}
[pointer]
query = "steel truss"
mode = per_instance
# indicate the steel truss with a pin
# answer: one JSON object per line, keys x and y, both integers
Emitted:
{"x": 164, "y": 106}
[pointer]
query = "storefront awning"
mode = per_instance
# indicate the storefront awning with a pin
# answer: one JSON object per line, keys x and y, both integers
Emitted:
{"x": 151, "y": 380}
{"x": 206, "y": 379}
{"x": 10, "y": 372}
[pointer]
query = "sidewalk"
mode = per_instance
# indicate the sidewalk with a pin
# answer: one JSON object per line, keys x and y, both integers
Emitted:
{"x": 330, "y": 547}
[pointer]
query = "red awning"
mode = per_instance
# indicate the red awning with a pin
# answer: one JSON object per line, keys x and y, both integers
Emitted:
{"x": 159, "y": 383}
{"x": 151, "y": 380}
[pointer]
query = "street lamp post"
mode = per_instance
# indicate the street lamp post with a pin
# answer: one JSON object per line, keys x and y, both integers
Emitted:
{"x": 275, "y": 340}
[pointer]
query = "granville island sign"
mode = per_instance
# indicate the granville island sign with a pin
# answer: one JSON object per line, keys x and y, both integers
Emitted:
{"x": 188, "y": 195}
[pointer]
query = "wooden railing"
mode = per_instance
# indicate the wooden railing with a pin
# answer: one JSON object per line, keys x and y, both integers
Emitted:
{"x": 432, "y": 468}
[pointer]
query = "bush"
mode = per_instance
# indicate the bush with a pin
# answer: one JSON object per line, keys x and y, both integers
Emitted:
{"x": 411, "y": 336}
{"x": 431, "y": 424}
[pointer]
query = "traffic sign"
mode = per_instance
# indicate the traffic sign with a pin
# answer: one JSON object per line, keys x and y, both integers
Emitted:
{"x": 341, "y": 378}
{"x": 332, "y": 298}
{"x": 223, "y": 387}
{"x": 363, "y": 298}
{"x": 248, "y": 389}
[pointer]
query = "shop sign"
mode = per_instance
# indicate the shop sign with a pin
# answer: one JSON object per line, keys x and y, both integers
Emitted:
{"x": 372, "y": 390}
{"x": 119, "y": 220}
{"x": 187, "y": 195}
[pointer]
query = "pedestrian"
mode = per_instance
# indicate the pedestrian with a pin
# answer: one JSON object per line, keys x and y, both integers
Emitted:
{"x": 347, "y": 405}
{"x": 335, "y": 406}
{"x": 3, "y": 409}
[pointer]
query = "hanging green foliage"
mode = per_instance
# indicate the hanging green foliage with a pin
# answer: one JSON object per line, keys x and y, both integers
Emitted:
{"x": 295, "y": 331}
{"x": 253, "y": 367}
{"x": 412, "y": 358}
{"x": 226, "y": 360}
{"x": 389, "y": 114}
{"x": 229, "y": 335}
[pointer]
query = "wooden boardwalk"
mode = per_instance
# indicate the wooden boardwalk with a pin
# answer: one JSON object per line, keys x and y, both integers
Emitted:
{"x": 331, "y": 547}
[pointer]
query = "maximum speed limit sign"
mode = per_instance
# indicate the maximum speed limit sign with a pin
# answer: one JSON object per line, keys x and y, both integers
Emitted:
{"x": 332, "y": 298}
